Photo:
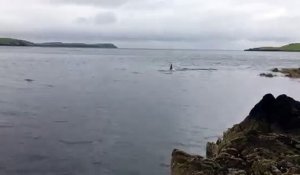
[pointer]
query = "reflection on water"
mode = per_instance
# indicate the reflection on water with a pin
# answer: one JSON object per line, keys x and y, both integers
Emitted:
{"x": 91, "y": 111}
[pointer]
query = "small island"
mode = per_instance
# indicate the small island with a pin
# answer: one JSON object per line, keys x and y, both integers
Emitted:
{"x": 18, "y": 42}
{"x": 294, "y": 47}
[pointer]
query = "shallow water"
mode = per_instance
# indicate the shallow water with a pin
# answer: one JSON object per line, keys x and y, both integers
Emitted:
{"x": 121, "y": 111}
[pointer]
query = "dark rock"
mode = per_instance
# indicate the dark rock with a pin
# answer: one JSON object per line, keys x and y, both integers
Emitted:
{"x": 288, "y": 72}
{"x": 262, "y": 109}
{"x": 269, "y": 75}
{"x": 291, "y": 72}
{"x": 211, "y": 150}
{"x": 275, "y": 70}
{"x": 266, "y": 142}
{"x": 283, "y": 112}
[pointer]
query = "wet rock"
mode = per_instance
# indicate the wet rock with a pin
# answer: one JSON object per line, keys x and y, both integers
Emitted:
{"x": 232, "y": 171}
{"x": 275, "y": 70}
{"x": 211, "y": 150}
{"x": 266, "y": 142}
{"x": 269, "y": 75}
{"x": 291, "y": 72}
{"x": 288, "y": 72}
{"x": 185, "y": 164}
{"x": 282, "y": 112}
{"x": 230, "y": 161}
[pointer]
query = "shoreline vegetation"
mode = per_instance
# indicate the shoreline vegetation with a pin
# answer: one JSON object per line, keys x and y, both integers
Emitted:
{"x": 287, "y": 72}
{"x": 293, "y": 47}
{"x": 24, "y": 43}
{"x": 266, "y": 142}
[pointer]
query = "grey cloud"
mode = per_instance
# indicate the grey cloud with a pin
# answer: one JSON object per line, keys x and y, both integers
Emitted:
{"x": 136, "y": 5}
{"x": 99, "y": 19}
{"x": 198, "y": 23}
{"x": 82, "y": 20}
{"x": 105, "y": 18}
{"x": 104, "y": 3}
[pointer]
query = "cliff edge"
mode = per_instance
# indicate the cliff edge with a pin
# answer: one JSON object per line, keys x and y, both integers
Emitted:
{"x": 266, "y": 142}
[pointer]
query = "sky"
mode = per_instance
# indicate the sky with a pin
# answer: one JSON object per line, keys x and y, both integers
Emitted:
{"x": 187, "y": 24}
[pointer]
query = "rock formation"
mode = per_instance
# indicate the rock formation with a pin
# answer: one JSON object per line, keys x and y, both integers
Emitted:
{"x": 266, "y": 142}
{"x": 269, "y": 75}
{"x": 289, "y": 72}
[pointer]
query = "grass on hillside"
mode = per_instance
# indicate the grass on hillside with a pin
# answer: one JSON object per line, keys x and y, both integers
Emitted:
{"x": 14, "y": 42}
{"x": 291, "y": 47}
{"x": 6, "y": 40}
{"x": 294, "y": 47}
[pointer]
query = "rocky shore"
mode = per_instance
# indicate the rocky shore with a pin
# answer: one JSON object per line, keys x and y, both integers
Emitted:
{"x": 288, "y": 72}
{"x": 266, "y": 142}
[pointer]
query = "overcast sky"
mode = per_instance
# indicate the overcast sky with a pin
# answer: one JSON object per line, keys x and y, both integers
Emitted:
{"x": 199, "y": 24}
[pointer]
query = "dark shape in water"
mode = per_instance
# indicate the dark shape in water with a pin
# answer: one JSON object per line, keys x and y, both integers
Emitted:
{"x": 275, "y": 70}
{"x": 186, "y": 69}
{"x": 171, "y": 67}
{"x": 60, "y": 121}
{"x": 190, "y": 69}
{"x": 269, "y": 75}
{"x": 70, "y": 142}
{"x": 29, "y": 80}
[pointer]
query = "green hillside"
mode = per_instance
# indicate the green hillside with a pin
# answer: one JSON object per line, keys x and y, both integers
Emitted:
{"x": 291, "y": 47}
{"x": 14, "y": 42}
{"x": 294, "y": 47}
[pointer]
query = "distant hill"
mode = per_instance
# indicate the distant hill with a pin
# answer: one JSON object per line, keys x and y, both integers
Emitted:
{"x": 14, "y": 42}
{"x": 294, "y": 47}
{"x": 17, "y": 42}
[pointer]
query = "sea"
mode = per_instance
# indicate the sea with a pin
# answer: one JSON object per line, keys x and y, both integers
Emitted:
{"x": 81, "y": 111}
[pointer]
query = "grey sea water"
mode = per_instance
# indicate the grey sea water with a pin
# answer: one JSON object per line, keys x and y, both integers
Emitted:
{"x": 121, "y": 112}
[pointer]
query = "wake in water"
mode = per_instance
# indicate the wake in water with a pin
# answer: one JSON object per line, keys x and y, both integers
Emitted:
{"x": 172, "y": 69}
{"x": 191, "y": 69}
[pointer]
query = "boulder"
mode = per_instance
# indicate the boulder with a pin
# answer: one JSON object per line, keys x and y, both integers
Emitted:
{"x": 266, "y": 142}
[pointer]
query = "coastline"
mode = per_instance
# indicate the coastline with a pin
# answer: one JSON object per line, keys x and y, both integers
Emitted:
{"x": 293, "y": 47}
{"x": 10, "y": 42}
{"x": 287, "y": 72}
